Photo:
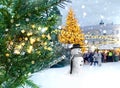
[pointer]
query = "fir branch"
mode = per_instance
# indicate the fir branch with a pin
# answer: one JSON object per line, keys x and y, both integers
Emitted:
{"x": 54, "y": 4}
{"x": 3, "y": 2}
{"x": 6, "y": 15}
{"x": 17, "y": 5}
{"x": 31, "y": 8}
{"x": 31, "y": 84}
{"x": 17, "y": 66}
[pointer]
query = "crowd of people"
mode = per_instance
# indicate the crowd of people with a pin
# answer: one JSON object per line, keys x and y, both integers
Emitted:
{"x": 98, "y": 57}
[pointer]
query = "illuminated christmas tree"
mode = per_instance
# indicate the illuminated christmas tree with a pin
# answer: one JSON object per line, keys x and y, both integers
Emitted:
{"x": 27, "y": 39}
{"x": 71, "y": 32}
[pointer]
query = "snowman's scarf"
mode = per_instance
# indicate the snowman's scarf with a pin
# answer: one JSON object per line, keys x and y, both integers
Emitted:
{"x": 71, "y": 64}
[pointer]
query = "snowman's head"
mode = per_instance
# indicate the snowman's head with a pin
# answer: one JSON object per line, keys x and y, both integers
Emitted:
{"x": 75, "y": 49}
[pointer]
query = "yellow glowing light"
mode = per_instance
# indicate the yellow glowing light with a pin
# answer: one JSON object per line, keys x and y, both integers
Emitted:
{"x": 23, "y": 31}
{"x": 11, "y": 43}
{"x": 17, "y": 25}
{"x": 16, "y": 51}
{"x": 19, "y": 47}
{"x": 12, "y": 20}
{"x": 29, "y": 51}
{"x": 39, "y": 28}
{"x": 32, "y": 40}
{"x": 45, "y": 47}
{"x": 38, "y": 52}
{"x": 20, "y": 39}
{"x": 33, "y": 26}
{"x": 38, "y": 39}
{"x": 29, "y": 74}
{"x": 43, "y": 36}
{"x": 23, "y": 44}
{"x": 7, "y": 54}
{"x": 29, "y": 33}
{"x": 33, "y": 62}
{"x": 49, "y": 48}
{"x": 26, "y": 38}
{"x": 71, "y": 32}
{"x": 45, "y": 43}
{"x": 31, "y": 47}
{"x": 49, "y": 37}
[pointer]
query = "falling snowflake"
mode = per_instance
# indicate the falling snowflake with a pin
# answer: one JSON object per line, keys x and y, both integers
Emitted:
{"x": 83, "y": 6}
{"x": 66, "y": 8}
{"x": 102, "y": 17}
{"x": 105, "y": 8}
{"x": 84, "y": 14}
{"x": 96, "y": 1}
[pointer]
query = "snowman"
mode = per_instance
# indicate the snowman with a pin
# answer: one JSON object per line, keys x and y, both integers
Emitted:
{"x": 76, "y": 61}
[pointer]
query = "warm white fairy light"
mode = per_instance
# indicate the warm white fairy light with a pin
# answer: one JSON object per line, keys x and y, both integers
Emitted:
{"x": 7, "y": 54}
{"x": 27, "y": 19}
{"x": 45, "y": 47}
{"x": 44, "y": 29}
{"x": 33, "y": 62}
{"x": 45, "y": 43}
{"x": 23, "y": 44}
{"x": 43, "y": 36}
{"x": 6, "y": 29}
{"x": 49, "y": 37}
{"x": 29, "y": 50}
{"x": 33, "y": 26}
{"x": 39, "y": 28}
{"x": 17, "y": 25}
{"x": 23, "y": 31}
{"x": 32, "y": 40}
{"x": 49, "y": 48}
{"x": 16, "y": 51}
{"x": 38, "y": 39}
{"x": 26, "y": 38}
{"x": 11, "y": 43}
{"x": 29, "y": 33}
{"x": 29, "y": 74}
{"x": 12, "y": 20}
{"x": 19, "y": 47}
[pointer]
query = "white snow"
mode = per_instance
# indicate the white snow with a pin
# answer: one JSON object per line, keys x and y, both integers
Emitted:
{"x": 106, "y": 76}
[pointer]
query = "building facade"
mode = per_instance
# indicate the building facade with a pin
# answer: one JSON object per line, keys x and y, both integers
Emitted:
{"x": 101, "y": 34}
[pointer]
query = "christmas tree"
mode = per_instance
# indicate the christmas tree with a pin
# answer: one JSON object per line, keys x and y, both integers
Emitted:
{"x": 71, "y": 32}
{"x": 27, "y": 39}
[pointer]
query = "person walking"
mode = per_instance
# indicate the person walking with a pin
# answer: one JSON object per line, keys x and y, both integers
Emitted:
{"x": 90, "y": 57}
{"x": 97, "y": 57}
{"x": 110, "y": 56}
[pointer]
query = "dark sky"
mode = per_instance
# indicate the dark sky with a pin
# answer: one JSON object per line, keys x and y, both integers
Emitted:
{"x": 90, "y": 12}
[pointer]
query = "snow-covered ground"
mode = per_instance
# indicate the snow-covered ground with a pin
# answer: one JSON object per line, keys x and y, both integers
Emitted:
{"x": 106, "y": 76}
